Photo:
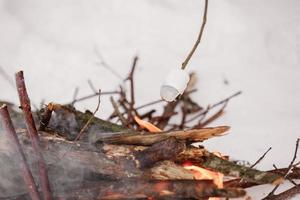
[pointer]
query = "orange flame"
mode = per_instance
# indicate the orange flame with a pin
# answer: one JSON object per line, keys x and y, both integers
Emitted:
{"x": 199, "y": 173}
{"x": 205, "y": 174}
{"x": 147, "y": 125}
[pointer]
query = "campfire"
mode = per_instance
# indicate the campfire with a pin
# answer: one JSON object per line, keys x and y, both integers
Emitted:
{"x": 59, "y": 152}
{"x": 75, "y": 155}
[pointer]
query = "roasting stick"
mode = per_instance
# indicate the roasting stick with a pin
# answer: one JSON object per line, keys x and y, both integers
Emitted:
{"x": 13, "y": 139}
{"x": 176, "y": 81}
{"x": 26, "y": 108}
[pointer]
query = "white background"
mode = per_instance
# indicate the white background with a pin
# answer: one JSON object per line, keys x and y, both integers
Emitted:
{"x": 254, "y": 45}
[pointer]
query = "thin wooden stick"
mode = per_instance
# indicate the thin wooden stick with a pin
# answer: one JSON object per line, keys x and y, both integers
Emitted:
{"x": 117, "y": 111}
{"x": 184, "y": 64}
{"x": 224, "y": 101}
{"x": 261, "y": 158}
{"x": 103, "y": 63}
{"x": 12, "y": 137}
{"x": 90, "y": 119}
{"x": 290, "y": 167}
{"x": 25, "y": 105}
{"x": 286, "y": 194}
{"x": 132, "y": 96}
{"x": 92, "y": 96}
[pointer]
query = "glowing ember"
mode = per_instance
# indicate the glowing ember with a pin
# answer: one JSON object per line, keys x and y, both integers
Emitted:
{"x": 204, "y": 174}
{"x": 147, "y": 125}
{"x": 199, "y": 173}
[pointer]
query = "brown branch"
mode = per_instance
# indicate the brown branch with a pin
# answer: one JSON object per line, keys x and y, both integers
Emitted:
{"x": 149, "y": 104}
{"x": 261, "y": 158}
{"x": 12, "y": 137}
{"x": 75, "y": 94}
{"x": 224, "y": 101}
{"x": 167, "y": 114}
{"x": 155, "y": 153}
{"x": 92, "y": 96}
{"x": 184, "y": 64}
{"x": 25, "y": 105}
{"x": 117, "y": 111}
{"x": 215, "y": 116}
{"x": 130, "y": 78}
{"x": 286, "y": 194}
{"x": 145, "y": 139}
{"x": 295, "y": 174}
{"x": 106, "y": 65}
{"x": 231, "y": 169}
{"x": 158, "y": 189}
{"x": 92, "y": 86}
{"x": 290, "y": 167}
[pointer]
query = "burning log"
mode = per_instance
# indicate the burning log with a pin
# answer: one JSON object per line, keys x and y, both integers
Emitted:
{"x": 59, "y": 152}
{"x": 82, "y": 157}
{"x": 189, "y": 153}
{"x": 112, "y": 163}
{"x": 139, "y": 189}
{"x": 165, "y": 150}
{"x": 112, "y": 156}
{"x": 231, "y": 169}
{"x": 294, "y": 174}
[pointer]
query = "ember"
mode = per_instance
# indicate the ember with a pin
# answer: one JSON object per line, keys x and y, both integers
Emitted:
{"x": 204, "y": 174}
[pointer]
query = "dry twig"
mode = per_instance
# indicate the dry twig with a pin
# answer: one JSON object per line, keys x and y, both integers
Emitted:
{"x": 81, "y": 132}
{"x": 25, "y": 105}
{"x": 261, "y": 158}
{"x": 117, "y": 111}
{"x": 13, "y": 138}
{"x": 290, "y": 167}
{"x": 184, "y": 64}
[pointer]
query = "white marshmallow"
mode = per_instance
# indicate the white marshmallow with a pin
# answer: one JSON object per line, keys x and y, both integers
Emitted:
{"x": 174, "y": 84}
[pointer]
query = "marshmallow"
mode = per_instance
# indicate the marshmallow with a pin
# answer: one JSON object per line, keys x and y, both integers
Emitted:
{"x": 174, "y": 84}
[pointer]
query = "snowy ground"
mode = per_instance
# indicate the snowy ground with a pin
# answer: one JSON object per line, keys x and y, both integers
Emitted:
{"x": 253, "y": 44}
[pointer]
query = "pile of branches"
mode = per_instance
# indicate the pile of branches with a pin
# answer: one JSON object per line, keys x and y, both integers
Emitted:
{"x": 75, "y": 155}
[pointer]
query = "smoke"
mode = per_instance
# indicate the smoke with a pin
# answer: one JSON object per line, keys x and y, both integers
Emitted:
{"x": 64, "y": 173}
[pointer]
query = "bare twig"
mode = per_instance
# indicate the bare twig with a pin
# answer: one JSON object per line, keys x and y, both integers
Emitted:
{"x": 25, "y": 105}
{"x": 184, "y": 64}
{"x": 261, "y": 158}
{"x": 286, "y": 194}
{"x": 92, "y": 86}
{"x": 117, "y": 111}
{"x": 13, "y": 138}
{"x": 81, "y": 132}
{"x": 75, "y": 94}
{"x": 106, "y": 65}
{"x": 149, "y": 104}
{"x": 92, "y": 96}
{"x": 290, "y": 167}
{"x": 130, "y": 78}
{"x": 224, "y": 101}
{"x": 215, "y": 116}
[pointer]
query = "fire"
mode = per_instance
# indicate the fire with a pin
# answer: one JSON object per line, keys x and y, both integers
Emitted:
{"x": 147, "y": 125}
{"x": 199, "y": 173}
{"x": 204, "y": 174}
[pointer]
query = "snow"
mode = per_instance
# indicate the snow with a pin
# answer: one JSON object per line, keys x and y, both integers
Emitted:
{"x": 253, "y": 44}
